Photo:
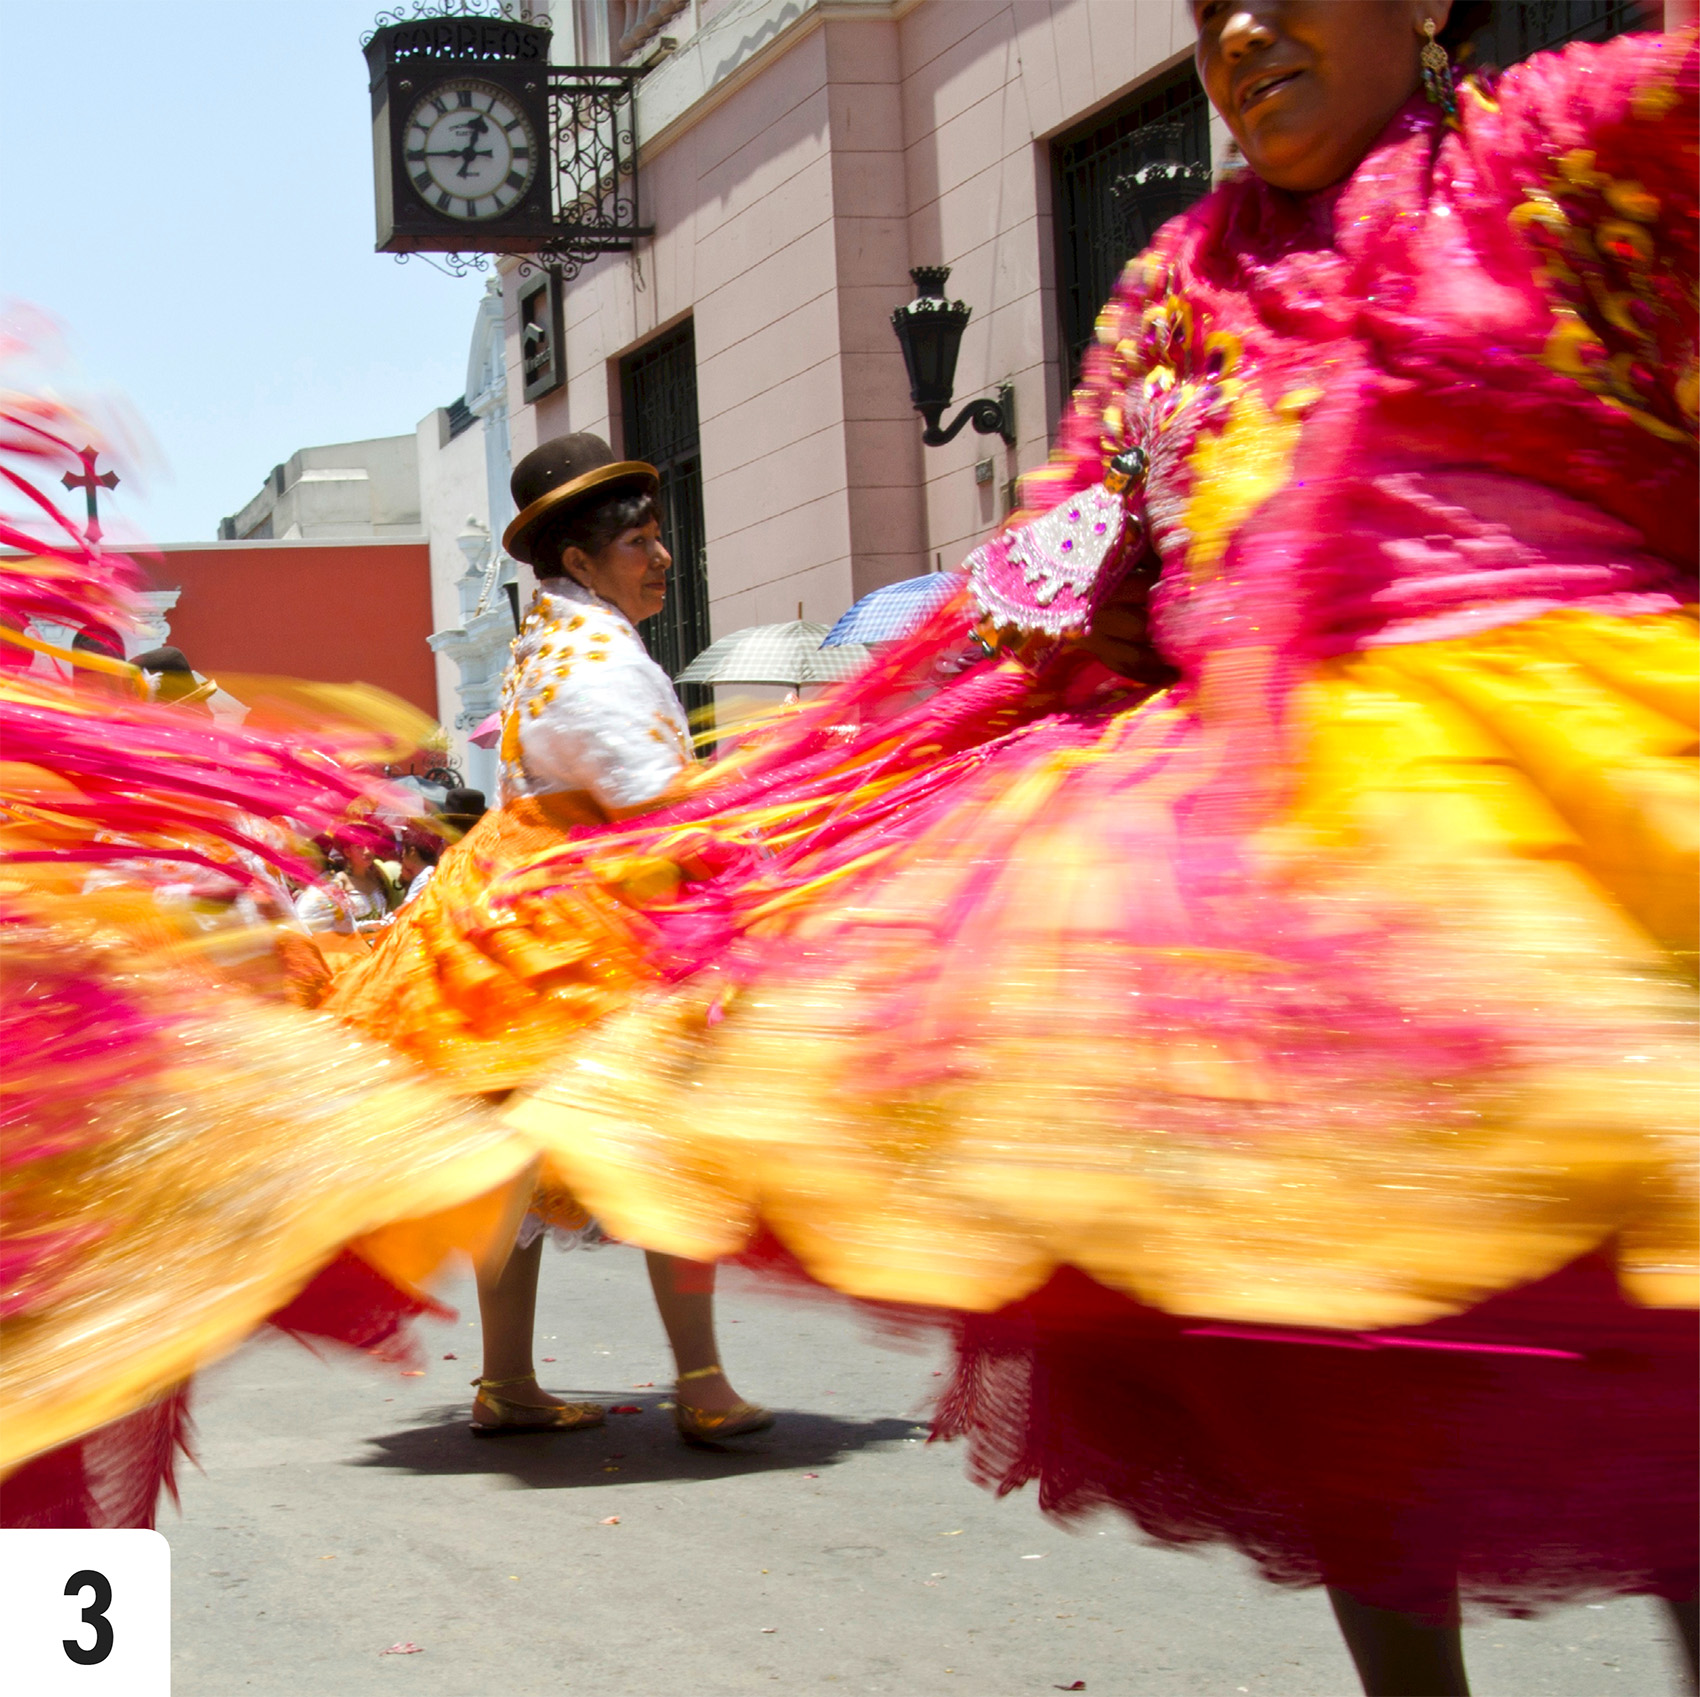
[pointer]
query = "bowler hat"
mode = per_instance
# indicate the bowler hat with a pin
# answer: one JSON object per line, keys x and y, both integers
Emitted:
{"x": 560, "y": 475}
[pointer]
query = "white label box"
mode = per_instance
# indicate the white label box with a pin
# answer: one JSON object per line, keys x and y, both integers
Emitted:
{"x": 86, "y": 1613}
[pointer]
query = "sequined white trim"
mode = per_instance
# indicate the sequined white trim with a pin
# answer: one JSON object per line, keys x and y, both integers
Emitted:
{"x": 590, "y": 709}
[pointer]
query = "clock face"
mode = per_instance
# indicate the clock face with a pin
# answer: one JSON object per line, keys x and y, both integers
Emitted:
{"x": 469, "y": 149}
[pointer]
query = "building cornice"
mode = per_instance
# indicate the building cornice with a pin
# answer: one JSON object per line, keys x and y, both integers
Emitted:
{"x": 728, "y": 53}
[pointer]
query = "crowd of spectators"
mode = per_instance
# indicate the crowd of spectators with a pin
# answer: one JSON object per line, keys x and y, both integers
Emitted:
{"x": 372, "y": 871}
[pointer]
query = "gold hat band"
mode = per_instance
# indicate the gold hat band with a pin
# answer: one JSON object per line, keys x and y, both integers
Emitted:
{"x": 547, "y": 503}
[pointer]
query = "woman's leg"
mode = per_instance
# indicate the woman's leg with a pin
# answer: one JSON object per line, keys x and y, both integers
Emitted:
{"x": 684, "y": 1293}
{"x": 1400, "y": 1655}
{"x": 507, "y": 1305}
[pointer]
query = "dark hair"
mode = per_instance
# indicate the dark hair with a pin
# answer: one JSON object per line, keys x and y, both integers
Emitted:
{"x": 426, "y": 844}
{"x": 1467, "y": 17}
{"x": 94, "y": 640}
{"x": 591, "y": 526}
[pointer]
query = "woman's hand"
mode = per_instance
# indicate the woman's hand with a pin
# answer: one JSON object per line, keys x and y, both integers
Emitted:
{"x": 1120, "y": 633}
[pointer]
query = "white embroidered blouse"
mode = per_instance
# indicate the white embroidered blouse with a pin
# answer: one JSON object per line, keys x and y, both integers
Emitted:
{"x": 585, "y": 708}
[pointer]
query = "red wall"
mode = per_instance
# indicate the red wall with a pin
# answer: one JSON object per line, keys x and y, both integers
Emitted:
{"x": 333, "y": 612}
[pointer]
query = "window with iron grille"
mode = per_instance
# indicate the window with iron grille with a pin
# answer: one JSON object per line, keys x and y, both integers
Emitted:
{"x": 1124, "y": 173}
{"x": 658, "y": 390}
{"x": 1513, "y": 32}
{"x": 1118, "y": 178}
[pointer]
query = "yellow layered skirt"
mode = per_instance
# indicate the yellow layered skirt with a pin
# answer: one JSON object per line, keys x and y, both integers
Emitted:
{"x": 487, "y": 985}
{"x": 488, "y": 991}
{"x": 183, "y": 1156}
{"x": 1436, "y": 1041}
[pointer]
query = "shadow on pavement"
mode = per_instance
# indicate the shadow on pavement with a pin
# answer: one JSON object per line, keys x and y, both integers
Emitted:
{"x": 632, "y": 1449}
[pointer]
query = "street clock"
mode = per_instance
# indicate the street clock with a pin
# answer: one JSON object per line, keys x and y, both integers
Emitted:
{"x": 460, "y": 135}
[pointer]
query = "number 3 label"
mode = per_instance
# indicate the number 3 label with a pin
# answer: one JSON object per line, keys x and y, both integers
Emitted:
{"x": 86, "y": 1612}
{"x": 94, "y": 1615}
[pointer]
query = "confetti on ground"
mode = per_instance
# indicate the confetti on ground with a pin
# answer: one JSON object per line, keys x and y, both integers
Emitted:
{"x": 403, "y": 1649}
{"x": 770, "y": 1629}
{"x": 956, "y": 1534}
{"x": 327, "y": 1558}
{"x": 414, "y": 1373}
{"x": 625, "y": 1408}
{"x": 811, "y": 1476}
{"x": 1032, "y": 1558}
{"x": 451, "y": 1356}
{"x": 550, "y": 1359}
{"x": 647, "y": 1385}
{"x": 1080, "y": 1685}
{"x": 610, "y": 1520}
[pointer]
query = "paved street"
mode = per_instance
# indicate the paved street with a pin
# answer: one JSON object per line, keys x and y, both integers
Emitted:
{"x": 342, "y": 1510}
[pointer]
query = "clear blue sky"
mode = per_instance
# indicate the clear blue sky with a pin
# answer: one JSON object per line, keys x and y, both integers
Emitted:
{"x": 186, "y": 185}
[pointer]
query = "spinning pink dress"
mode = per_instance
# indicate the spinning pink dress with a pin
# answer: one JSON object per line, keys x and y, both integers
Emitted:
{"x": 1289, "y": 1072}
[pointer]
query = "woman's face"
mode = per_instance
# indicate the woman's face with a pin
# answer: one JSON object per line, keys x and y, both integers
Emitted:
{"x": 1307, "y": 85}
{"x": 631, "y": 571}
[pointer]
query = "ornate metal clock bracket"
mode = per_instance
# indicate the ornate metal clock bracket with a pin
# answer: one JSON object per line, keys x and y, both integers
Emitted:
{"x": 586, "y": 203}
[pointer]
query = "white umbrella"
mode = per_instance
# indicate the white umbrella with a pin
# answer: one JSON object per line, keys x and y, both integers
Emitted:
{"x": 790, "y": 655}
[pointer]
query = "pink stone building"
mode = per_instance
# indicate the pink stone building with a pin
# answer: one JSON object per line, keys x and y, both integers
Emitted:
{"x": 798, "y": 157}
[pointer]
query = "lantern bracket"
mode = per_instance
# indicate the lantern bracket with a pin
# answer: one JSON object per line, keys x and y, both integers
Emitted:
{"x": 989, "y": 418}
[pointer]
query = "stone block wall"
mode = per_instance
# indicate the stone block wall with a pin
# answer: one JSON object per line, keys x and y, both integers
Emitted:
{"x": 820, "y": 151}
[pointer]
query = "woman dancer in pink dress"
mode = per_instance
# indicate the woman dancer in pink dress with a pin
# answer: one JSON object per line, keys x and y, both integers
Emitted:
{"x": 1277, "y": 1043}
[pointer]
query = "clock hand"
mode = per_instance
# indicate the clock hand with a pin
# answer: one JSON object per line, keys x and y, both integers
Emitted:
{"x": 465, "y": 155}
{"x": 474, "y": 129}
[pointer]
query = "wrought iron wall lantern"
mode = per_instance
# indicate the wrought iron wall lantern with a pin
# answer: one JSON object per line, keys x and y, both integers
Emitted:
{"x": 929, "y": 330}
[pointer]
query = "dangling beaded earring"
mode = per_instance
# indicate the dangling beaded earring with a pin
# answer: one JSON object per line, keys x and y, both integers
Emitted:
{"x": 1437, "y": 74}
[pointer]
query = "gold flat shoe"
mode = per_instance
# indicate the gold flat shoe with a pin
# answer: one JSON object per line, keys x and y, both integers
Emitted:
{"x": 700, "y": 1426}
{"x": 512, "y": 1417}
{"x": 697, "y": 1426}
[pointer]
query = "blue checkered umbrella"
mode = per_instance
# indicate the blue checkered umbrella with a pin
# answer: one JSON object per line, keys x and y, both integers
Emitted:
{"x": 886, "y": 614}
